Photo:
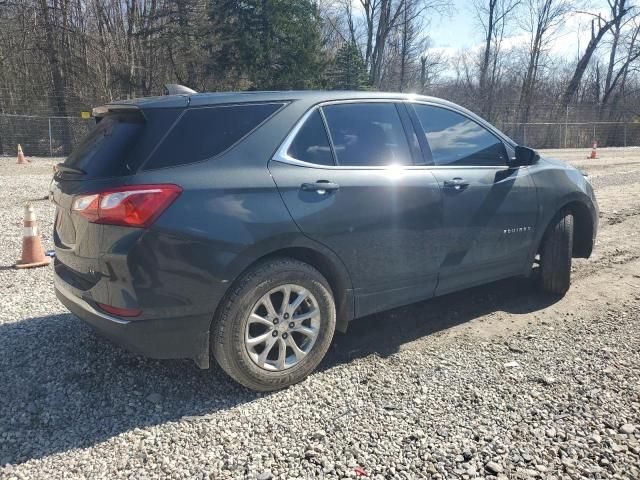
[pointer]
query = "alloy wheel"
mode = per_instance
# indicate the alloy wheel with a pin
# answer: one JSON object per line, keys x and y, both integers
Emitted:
{"x": 282, "y": 328}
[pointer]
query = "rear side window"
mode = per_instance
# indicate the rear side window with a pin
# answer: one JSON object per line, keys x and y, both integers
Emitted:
{"x": 367, "y": 134}
{"x": 203, "y": 133}
{"x": 311, "y": 144}
{"x": 457, "y": 140}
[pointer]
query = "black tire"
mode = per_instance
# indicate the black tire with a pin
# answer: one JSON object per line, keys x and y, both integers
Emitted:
{"x": 228, "y": 328}
{"x": 555, "y": 255}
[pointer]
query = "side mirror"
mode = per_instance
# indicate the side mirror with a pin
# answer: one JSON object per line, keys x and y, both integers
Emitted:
{"x": 525, "y": 156}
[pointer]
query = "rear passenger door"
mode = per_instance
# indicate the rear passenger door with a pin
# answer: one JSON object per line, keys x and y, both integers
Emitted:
{"x": 489, "y": 209}
{"x": 347, "y": 175}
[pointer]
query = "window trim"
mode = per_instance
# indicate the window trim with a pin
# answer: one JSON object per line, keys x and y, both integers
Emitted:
{"x": 410, "y": 130}
{"x": 485, "y": 125}
{"x": 327, "y": 132}
{"x": 282, "y": 155}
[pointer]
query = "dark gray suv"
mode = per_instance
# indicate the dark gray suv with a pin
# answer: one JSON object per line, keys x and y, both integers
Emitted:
{"x": 250, "y": 226}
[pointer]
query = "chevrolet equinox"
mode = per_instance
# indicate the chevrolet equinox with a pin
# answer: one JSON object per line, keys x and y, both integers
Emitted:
{"x": 248, "y": 227}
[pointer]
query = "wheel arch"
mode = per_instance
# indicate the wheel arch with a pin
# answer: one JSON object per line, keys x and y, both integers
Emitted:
{"x": 331, "y": 268}
{"x": 583, "y": 227}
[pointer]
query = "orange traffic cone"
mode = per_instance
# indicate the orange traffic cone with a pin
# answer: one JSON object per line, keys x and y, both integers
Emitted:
{"x": 32, "y": 252}
{"x": 21, "y": 159}
{"x": 594, "y": 151}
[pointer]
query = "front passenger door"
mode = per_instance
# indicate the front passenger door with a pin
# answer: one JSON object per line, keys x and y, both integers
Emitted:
{"x": 489, "y": 209}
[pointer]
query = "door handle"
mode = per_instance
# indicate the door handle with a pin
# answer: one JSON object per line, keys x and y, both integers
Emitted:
{"x": 456, "y": 183}
{"x": 321, "y": 187}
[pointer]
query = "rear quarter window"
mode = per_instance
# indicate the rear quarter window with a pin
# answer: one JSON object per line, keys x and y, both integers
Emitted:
{"x": 203, "y": 133}
{"x": 311, "y": 144}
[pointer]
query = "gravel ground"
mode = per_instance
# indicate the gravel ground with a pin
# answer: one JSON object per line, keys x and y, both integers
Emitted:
{"x": 496, "y": 381}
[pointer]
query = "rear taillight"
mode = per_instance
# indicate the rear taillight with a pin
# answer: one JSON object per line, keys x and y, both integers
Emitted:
{"x": 130, "y": 206}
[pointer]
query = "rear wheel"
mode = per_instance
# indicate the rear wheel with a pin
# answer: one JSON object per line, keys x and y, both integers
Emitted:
{"x": 555, "y": 255}
{"x": 275, "y": 325}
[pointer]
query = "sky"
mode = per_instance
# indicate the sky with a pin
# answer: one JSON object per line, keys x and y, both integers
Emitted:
{"x": 459, "y": 30}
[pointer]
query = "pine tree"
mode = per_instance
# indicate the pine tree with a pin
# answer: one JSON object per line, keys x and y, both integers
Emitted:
{"x": 271, "y": 44}
{"x": 349, "y": 71}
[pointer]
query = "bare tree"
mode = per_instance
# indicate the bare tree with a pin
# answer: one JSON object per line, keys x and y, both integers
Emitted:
{"x": 540, "y": 19}
{"x": 408, "y": 29}
{"x": 49, "y": 46}
{"x": 494, "y": 17}
{"x": 380, "y": 20}
{"x": 599, "y": 27}
{"x": 58, "y": 57}
{"x": 432, "y": 64}
{"x": 623, "y": 53}
{"x": 400, "y": 65}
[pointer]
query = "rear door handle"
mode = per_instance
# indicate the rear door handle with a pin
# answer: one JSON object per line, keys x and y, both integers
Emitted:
{"x": 456, "y": 183}
{"x": 321, "y": 187}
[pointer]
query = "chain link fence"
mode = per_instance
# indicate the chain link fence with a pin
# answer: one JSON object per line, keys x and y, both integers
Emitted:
{"x": 53, "y": 136}
{"x": 574, "y": 134}
{"x": 46, "y": 136}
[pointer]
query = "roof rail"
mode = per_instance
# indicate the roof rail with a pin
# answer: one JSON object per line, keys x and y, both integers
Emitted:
{"x": 175, "y": 89}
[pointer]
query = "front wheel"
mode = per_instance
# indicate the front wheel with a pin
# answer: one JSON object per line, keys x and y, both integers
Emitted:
{"x": 555, "y": 255}
{"x": 275, "y": 325}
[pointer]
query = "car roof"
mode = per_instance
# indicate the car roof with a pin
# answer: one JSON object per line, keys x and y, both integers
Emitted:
{"x": 311, "y": 96}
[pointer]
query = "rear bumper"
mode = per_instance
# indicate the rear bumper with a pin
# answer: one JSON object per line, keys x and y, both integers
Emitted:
{"x": 182, "y": 337}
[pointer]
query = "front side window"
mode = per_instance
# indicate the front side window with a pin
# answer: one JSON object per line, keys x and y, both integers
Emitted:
{"x": 311, "y": 143}
{"x": 457, "y": 140}
{"x": 367, "y": 134}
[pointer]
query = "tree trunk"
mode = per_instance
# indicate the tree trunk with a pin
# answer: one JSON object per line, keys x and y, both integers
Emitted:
{"x": 574, "y": 83}
{"x": 487, "y": 47}
{"x": 57, "y": 100}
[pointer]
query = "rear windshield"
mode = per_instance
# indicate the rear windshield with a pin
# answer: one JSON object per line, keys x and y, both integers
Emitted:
{"x": 203, "y": 133}
{"x": 120, "y": 142}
